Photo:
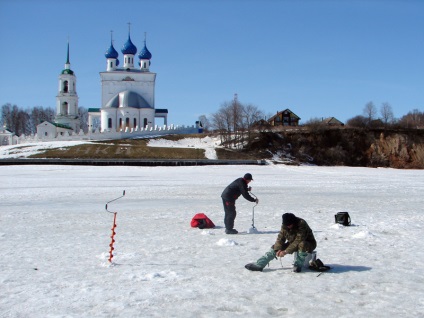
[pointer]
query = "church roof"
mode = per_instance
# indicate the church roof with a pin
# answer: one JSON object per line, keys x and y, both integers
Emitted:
{"x": 145, "y": 53}
{"x": 56, "y": 125}
{"x": 127, "y": 99}
{"x": 111, "y": 53}
{"x": 129, "y": 47}
{"x": 68, "y": 71}
{"x": 61, "y": 126}
{"x": 5, "y": 131}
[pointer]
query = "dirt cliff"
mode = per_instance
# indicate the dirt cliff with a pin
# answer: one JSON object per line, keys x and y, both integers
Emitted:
{"x": 343, "y": 146}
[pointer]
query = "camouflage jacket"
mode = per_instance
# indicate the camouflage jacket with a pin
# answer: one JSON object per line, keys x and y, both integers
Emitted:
{"x": 300, "y": 232}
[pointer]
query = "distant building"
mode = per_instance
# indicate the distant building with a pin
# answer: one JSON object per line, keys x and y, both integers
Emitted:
{"x": 261, "y": 124}
{"x": 332, "y": 121}
{"x": 128, "y": 92}
{"x": 6, "y": 137}
{"x": 66, "y": 119}
{"x": 67, "y": 98}
{"x": 128, "y": 97}
{"x": 284, "y": 118}
{"x": 52, "y": 130}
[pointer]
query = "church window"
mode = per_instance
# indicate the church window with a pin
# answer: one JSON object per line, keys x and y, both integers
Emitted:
{"x": 120, "y": 123}
{"x": 135, "y": 122}
{"x": 127, "y": 122}
{"x": 109, "y": 123}
{"x": 64, "y": 108}
{"x": 145, "y": 122}
{"x": 65, "y": 86}
{"x": 144, "y": 65}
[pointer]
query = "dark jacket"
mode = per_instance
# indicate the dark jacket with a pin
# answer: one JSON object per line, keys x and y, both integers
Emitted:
{"x": 235, "y": 189}
{"x": 299, "y": 234}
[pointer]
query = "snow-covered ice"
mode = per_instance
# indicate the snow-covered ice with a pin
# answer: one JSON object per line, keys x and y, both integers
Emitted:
{"x": 55, "y": 236}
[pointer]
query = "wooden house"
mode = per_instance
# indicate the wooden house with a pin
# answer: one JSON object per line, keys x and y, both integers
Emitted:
{"x": 332, "y": 121}
{"x": 284, "y": 118}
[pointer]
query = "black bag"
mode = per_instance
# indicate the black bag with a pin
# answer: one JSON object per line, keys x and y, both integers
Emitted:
{"x": 318, "y": 266}
{"x": 342, "y": 218}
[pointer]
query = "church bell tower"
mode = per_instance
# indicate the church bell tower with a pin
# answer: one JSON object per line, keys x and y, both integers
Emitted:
{"x": 67, "y": 98}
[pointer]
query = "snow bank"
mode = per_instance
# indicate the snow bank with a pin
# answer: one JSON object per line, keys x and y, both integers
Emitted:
{"x": 206, "y": 143}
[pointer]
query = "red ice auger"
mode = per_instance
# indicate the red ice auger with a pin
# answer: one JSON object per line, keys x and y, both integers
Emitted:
{"x": 113, "y": 228}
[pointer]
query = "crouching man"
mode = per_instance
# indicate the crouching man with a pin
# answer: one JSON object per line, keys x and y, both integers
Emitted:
{"x": 295, "y": 236}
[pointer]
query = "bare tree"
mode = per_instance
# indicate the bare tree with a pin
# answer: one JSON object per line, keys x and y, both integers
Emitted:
{"x": 414, "y": 119}
{"x": 386, "y": 113}
{"x": 39, "y": 114}
{"x": 83, "y": 117}
{"x": 357, "y": 121}
{"x": 370, "y": 112}
{"x": 205, "y": 122}
{"x": 238, "y": 126}
{"x": 6, "y": 116}
{"x": 220, "y": 122}
{"x": 228, "y": 120}
{"x": 24, "y": 122}
{"x": 251, "y": 115}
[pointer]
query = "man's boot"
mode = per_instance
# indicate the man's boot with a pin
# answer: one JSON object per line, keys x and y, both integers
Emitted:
{"x": 298, "y": 263}
{"x": 262, "y": 262}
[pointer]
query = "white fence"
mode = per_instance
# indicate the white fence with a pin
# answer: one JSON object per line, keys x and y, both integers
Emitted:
{"x": 112, "y": 135}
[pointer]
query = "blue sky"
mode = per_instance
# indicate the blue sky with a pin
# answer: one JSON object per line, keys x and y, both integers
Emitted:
{"x": 317, "y": 58}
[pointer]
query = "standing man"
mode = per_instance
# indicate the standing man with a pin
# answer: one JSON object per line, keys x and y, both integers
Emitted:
{"x": 230, "y": 195}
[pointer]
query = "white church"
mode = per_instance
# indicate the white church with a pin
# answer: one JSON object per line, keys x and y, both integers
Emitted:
{"x": 127, "y": 104}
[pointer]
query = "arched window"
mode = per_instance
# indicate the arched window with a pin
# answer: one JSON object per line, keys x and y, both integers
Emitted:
{"x": 120, "y": 123}
{"x": 145, "y": 122}
{"x": 109, "y": 123}
{"x": 135, "y": 122}
{"x": 127, "y": 122}
{"x": 65, "y": 86}
{"x": 64, "y": 108}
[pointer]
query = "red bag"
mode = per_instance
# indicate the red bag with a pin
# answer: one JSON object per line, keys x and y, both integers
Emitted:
{"x": 201, "y": 221}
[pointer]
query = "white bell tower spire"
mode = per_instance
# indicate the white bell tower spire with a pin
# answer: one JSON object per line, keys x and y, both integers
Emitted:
{"x": 67, "y": 98}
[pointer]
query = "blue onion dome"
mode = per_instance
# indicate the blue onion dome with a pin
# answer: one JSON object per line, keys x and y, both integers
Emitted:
{"x": 129, "y": 47}
{"x": 145, "y": 53}
{"x": 111, "y": 53}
